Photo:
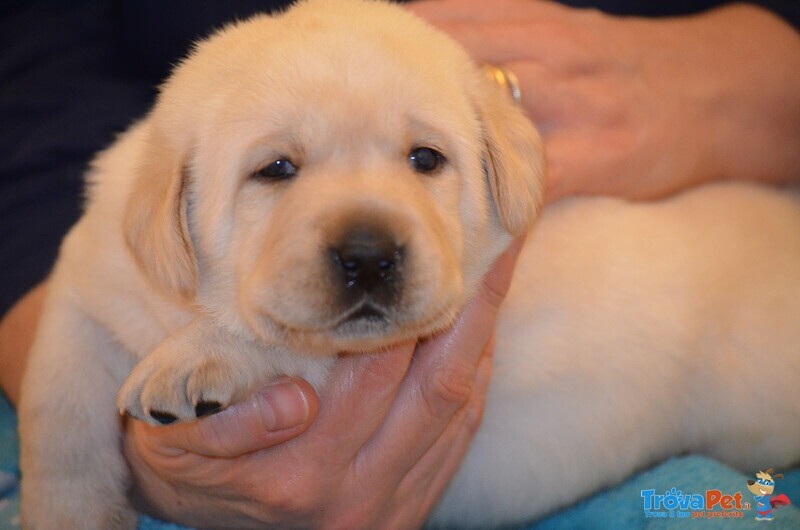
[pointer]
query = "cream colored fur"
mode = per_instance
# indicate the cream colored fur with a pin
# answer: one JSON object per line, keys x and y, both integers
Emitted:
{"x": 632, "y": 332}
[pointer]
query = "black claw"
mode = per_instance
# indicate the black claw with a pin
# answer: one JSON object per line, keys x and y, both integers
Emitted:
{"x": 206, "y": 408}
{"x": 164, "y": 418}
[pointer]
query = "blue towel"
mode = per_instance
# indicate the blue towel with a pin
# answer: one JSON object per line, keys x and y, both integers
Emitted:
{"x": 621, "y": 507}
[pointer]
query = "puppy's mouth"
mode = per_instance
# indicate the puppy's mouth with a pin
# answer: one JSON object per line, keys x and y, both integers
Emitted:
{"x": 365, "y": 312}
{"x": 363, "y": 319}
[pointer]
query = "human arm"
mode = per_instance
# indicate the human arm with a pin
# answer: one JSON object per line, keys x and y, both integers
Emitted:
{"x": 641, "y": 108}
{"x": 17, "y": 329}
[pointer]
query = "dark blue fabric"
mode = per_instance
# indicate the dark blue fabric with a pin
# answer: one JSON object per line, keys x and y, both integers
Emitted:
{"x": 65, "y": 91}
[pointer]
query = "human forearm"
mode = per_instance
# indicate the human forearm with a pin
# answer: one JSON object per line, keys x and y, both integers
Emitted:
{"x": 16, "y": 336}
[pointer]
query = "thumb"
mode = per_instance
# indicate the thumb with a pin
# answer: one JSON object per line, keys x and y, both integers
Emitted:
{"x": 273, "y": 415}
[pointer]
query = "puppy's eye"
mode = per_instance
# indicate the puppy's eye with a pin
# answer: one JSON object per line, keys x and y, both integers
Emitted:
{"x": 280, "y": 169}
{"x": 425, "y": 159}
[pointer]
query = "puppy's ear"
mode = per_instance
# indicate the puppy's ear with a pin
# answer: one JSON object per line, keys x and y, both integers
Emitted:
{"x": 514, "y": 158}
{"x": 155, "y": 221}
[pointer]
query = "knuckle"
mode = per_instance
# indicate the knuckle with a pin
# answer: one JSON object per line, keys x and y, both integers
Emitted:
{"x": 217, "y": 443}
{"x": 494, "y": 292}
{"x": 446, "y": 388}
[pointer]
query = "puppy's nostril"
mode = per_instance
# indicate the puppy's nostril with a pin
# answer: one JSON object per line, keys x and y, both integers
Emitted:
{"x": 386, "y": 264}
{"x": 350, "y": 265}
{"x": 363, "y": 260}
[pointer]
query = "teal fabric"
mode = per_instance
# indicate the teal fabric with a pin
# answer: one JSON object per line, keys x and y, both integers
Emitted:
{"x": 622, "y": 507}
{"x": 9, "y": 469}
{"x": 618, "y": 508}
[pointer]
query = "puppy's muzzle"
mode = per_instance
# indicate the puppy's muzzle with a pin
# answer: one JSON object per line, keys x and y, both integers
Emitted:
{"x": 368, "y": 264}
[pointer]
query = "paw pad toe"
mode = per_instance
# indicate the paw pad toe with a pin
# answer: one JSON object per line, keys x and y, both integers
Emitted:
{"x": 207, "y": 408}
{"x": 164, "y": 418}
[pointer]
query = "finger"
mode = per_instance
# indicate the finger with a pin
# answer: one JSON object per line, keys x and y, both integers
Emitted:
{"x": 561, "y": 179}
{"x": 548, "y": 101}
{"x": 440, "y": 380}
{"x": 356, "y": 398}
{"x": 577, "y": 166}
{"x": 497, "y": 43}
{"x": 498, "y": 280}
{"x": 439, "y": 11}
{"x": 442, "y": 11}
{"x": 433, "y": 472}
{"x": 275, "y": 414}
{"x": 512, "y": 40}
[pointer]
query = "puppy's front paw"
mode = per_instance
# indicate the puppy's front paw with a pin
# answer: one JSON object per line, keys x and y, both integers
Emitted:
{"x": 168, "y": 388}
{"x": 202, "y": 369}
{"x": 197, "y": 371}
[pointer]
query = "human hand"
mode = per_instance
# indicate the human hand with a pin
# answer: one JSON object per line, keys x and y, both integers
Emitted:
{"x": 388, "y": 436}
{"x": 640, "y": 108}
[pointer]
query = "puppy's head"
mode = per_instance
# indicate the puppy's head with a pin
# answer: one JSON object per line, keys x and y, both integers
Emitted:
{"x": 338, "y": 177}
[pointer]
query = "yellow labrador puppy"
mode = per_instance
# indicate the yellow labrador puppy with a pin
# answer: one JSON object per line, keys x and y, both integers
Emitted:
{"x": 340, "y": 177}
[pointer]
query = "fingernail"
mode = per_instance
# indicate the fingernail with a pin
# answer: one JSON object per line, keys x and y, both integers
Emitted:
{"x": 284, "y": 405}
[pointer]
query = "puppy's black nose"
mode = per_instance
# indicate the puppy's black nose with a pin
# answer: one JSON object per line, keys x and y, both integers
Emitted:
{"x": 367, "y": 260}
